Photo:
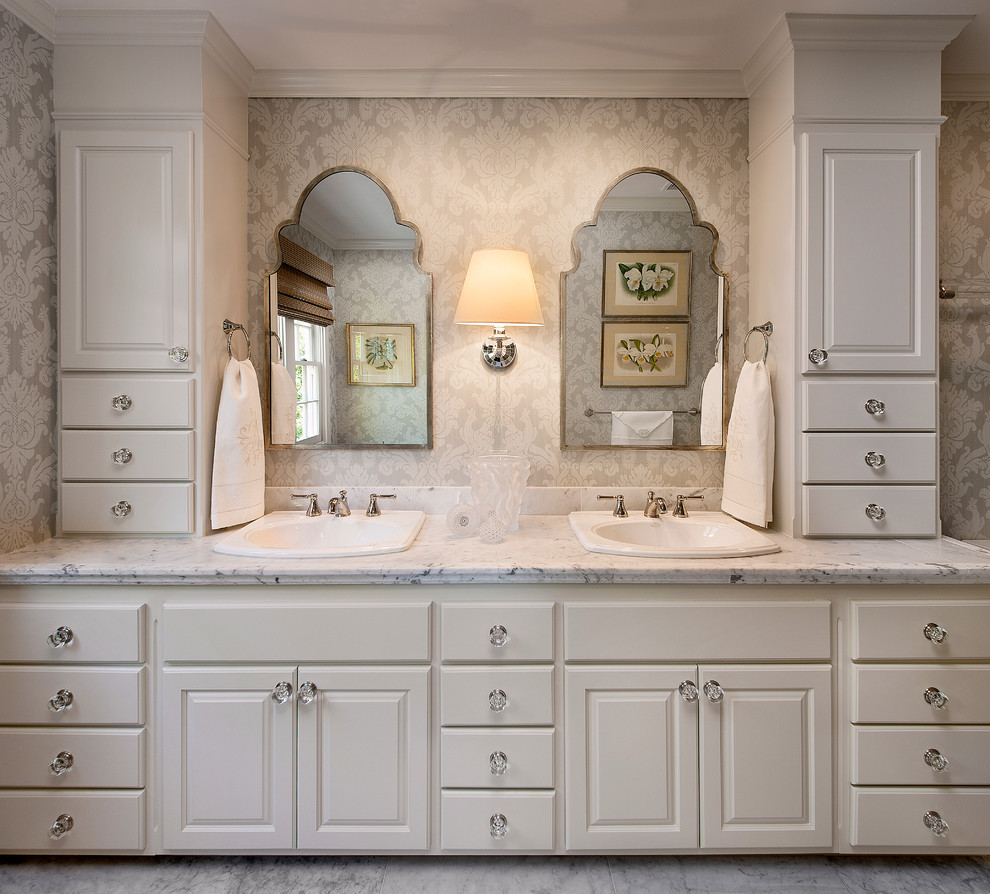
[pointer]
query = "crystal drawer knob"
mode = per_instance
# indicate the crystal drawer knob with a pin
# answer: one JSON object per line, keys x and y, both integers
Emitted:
{"x": 282, "y": 693}
{"x": 121, "y": 509}
{"x": 61, "y": 637}
{"x": 713, "y": 691}
{"x": 61, "y": 827}
{"x": 935, "y": 633}
{"x": 498, "y": 763}
{"x": 688, "y": 691}
{"x": 936, "y": 698}
{"x": 498, "y": 825}
{"x": 178, "y": 354}
{"x": 875, "y": 407}
{"x": 875, "y": 513}
{"x": 122, "y": 402}
{"x": 497, "y": 700}
{"x": 60, "y": 701}
{"x": 934, "y": 822}
{"x": 121, "y": 457}
{"x": 936, "y": 760}
{"x": 875, "y": 460}
{"x": 307, "y": 692}
{"x": 818, "y": 356}
{"x": 498, "y": 635}
{"x": 61, "y": 763}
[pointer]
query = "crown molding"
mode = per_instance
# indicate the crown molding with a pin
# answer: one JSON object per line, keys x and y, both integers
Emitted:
{"x": 228, "y": 55}
{"x": 876, "y": 33}
{"x": 36, "y": 14}
{"x": 768, "y": 56}
{"x": 966, "y": 87}
{"x": 619, "y": 83}
{"x": 110, "y": 27}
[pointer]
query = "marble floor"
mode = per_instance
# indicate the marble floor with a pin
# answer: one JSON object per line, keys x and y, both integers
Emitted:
{"x": 496, "y": 875}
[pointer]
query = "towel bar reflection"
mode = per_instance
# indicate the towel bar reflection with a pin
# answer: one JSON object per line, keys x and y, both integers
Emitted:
{"x": 692, "y": 411}
{"x": 766, "y": 330}
{"x": 281, "y": 350}
{"x": 230, "y": 328}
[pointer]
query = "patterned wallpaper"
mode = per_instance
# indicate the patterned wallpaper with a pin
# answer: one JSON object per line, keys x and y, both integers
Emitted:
{"x": 964, "y": 322}
{"x": 511, "y": 173}
{"x": 27, "y": 286}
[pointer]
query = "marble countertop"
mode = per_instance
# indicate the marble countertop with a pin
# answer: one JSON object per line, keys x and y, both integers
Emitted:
{"x": 543, "y": 550}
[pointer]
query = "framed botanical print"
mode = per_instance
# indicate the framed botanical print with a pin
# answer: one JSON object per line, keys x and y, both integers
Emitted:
{"x": 381, "y": 354}
{"x": 644, "y": 354}
{"x": 646, "y": 283}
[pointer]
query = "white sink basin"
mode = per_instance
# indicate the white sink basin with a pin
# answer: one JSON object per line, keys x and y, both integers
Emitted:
{"x": 703, "y": 535}
{"x": 291, "y": 535}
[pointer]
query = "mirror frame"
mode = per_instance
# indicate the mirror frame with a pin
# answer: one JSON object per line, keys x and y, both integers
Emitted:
{"x": 723, "y": 335}
{"x": 271, "y": 322}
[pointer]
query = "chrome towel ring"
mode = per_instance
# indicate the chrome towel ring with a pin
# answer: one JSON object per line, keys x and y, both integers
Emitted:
{"x": 281, "y": 351}
{"x": 230, "y": 328}
{"x": 766, "y": 330}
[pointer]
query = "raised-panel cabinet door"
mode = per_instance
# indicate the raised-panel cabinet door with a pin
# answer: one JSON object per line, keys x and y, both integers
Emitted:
{"x": 631, "y": 744}
{"x": 125, "y": 231}
{"x": 766, "y": 762}
{"x": 228, "y": 748}
{"x": 363, "y": 758}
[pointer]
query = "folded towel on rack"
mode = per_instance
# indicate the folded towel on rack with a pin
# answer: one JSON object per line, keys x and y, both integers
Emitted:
{"x": 711, "y": 407}
{"x": 654, "y": 428}
{"x": 283, "y": 406}
{"x": 747, "y": 489}
{"x": 239, "y": 454}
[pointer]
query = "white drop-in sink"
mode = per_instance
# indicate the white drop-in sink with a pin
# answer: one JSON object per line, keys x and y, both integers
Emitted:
{"x": 703, "y": 535}
{"x": 291, "y": 535}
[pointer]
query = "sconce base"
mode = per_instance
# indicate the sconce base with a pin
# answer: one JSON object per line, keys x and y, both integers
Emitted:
{"x": 498, "y": 351}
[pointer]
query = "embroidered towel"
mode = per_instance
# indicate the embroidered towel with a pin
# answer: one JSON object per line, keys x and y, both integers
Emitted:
{"x": 239, "y": 455}
{"x": 711, "y": 407}
{"x": 747, "y": 490}
{"x": 283, "y": 406}
{"x": 648, "y": 427}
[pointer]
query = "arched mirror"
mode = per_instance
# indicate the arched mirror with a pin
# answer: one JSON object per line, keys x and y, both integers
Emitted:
{"x": 643, "y": 318}
{"x": 351, "y": 309}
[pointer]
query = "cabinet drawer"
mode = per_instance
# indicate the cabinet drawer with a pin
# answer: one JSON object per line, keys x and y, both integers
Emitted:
{"x": 466, "y": 695}
{"x": 896, "y": 694}
{"x": 99, "y": 695}
{"x": 896, "y": 755}
{"x": 909, "y": 405}
{"x": 469, "y": 632}
{"x": 155, "y": 401}
{"x": 896, "y": 630}
{"x": 100, "y": 758}
{"x": 841, "y": 458}
{"x": 154, "y": 508}
{"x": 467, "y": 758}
{"x": 101, "y": 821}
{"x": 699, "y": 631}
{"x": 95, "y": 633}
{"x": 883, "y": 817}
{"x": 165, "y": 455}
{"x": 467, "y": 821}
{"x": 840, "y": 511}
{"x": 298, "y": 633}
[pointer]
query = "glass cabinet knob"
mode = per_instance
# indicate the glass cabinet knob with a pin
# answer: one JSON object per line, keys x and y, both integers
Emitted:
{"x": 121, "y": 509}
{"x": 60, "y": 701}
{"x": 498, "y": 825}
{"x": 122, "y": 402}
{"x": 282, "y": 693}
{"x": 497, "y": 700}
{"x": 689, "y": 691}
{"x": 875, "y": 407}
{"x": 936, "y": 698}
{"x": 178, "y": 354}
{"x": 498, "y": 763}
{"x": 61, "y": 763}
{"x": 121, "y": 457}
{"x": 498, "y": 635}
{"x": 875, "y": 513}
{"x": 818, "y": 356}
{"x": 62, "y": 826}
{"x": 875, "y": 460}
{"x": 934, "y": 822}
{"x": 306, "y": 692}
{"x": 713, "y": 691}
{"x": 935, "y": 633}
{"x": 936, "y": 760}
{"x": 61, "y": 637}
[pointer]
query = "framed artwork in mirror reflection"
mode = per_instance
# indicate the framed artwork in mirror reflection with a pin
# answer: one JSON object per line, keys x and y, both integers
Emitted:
{"x": 381, "y": 354}
{"x": 641, "y": 354}
{"x": 646, "y": 283}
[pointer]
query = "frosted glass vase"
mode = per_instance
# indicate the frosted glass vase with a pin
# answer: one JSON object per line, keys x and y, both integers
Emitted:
{"x": 498, "y": 482}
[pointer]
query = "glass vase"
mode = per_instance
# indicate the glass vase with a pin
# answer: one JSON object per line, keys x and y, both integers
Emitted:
{"x": 498, "y": 482}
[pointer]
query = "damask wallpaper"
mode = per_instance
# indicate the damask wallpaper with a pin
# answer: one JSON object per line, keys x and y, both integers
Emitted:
{"x": 27, "y": 286}
{"x": 964, "y": 321}
{"x": 510, "y": 173}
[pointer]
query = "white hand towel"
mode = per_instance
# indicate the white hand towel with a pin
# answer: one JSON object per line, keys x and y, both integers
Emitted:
{"x": 747, "y": 490}
{"x": 653, "y": 428}
{"x": 283, "y": 406}
{"x": 239, "y": 455}
{"x": 711, "y": 407}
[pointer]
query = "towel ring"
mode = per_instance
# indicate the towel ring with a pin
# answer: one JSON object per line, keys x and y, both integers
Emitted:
{"x": 765, "y": 330}
{"x": 281, "y": 350}
{"x": 230, "y": 329}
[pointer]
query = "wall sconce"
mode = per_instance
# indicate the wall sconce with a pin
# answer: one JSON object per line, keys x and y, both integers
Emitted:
{"x": 499, "y": 291}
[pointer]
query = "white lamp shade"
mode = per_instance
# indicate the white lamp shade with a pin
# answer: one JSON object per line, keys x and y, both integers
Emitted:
{"x": 499, "y": 290}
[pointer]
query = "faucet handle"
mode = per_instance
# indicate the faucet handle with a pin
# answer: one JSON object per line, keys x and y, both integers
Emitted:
{"x": 373, "y": 509}
{"x": 620, "y": 504}
{"x": 679, "y": 510}
{"x": 312, "y": 509}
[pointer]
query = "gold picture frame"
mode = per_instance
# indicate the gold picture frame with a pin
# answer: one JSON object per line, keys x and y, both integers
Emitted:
{"x": 637, "y": 354}
{"x": 381, "y": 354}
{"x": 646, "y": 283}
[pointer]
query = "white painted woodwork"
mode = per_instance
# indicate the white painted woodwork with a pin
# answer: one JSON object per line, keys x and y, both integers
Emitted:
{"x": 895, "y": 693}
{"x": 228, "y": 758}
{"x": 161, "y": 455}
{"x": 464, "y": 693}
{"x": 766, "y": 757}
{"x": 841, "y": 458}
{"x": 101, "y": 820}
{"x": 101, "y": 758}
{"x": 87, "y": 508}
{"x": 872, "y": 279}
{"x": 100, "y": 633}
{"x": 466, "y": 821}
{"x": 893, "y": 817}
{"x": 697, "y": 631}
{"x": 466, "y": 632}
{"x": 101, "y": 695}
{"x": 895, "y": 755}
{"x": 840, "y": 511}
{"x": 465, "y": 758}
{"x": 156, "y": 401}
{"x": 631, "y": 758}
{"x": 125, "y": 228}
{"x": 363, "y": 777}
{"x": 909, "y": 405}
{"x": 896, "y": 630}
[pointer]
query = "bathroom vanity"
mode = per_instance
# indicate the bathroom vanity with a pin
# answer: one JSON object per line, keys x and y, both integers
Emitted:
{"x": 528, "y": 697}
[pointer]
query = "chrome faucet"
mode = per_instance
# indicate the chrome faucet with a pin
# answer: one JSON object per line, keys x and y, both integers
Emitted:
{"x": 373, "y": 510}
{"x": 338, "y": 507}
{"x": 620, "y": 504}
{"x": 679, "y": 510}
{"x": 655, "y": 506}
{"x": 312, "y": 509}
